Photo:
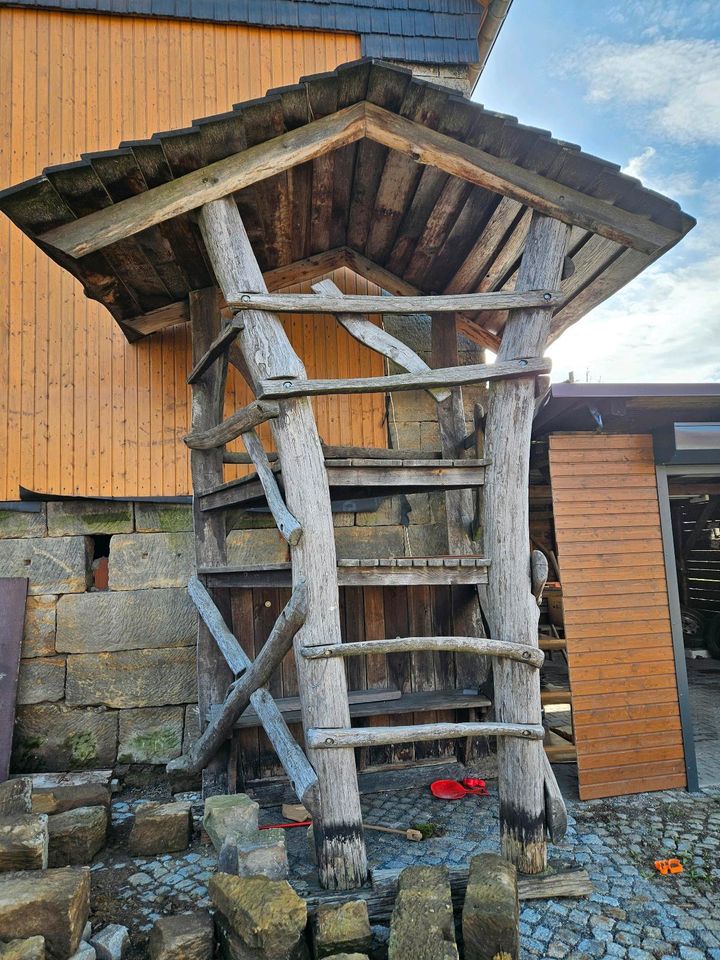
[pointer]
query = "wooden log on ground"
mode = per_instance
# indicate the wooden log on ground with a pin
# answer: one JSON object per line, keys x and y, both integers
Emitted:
{"x": 378, "y": 339}
{"x": 452, "y": 303}
{"x": 512, "y": 610}
{"x": 491, "y": 912}
{"x": 327, "y": 738}
{"x": 267, "y": 353}
{"x": 469, "y": 645}
{"x": 251, "y": 416}
{"x": 448, "y": 377}
{"x": 284, "y": 520}
{"x": 213, "y": 620}
{"x": 256, "y": 676}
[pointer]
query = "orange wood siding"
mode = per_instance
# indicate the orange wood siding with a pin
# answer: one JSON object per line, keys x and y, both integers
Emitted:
{"x": 81, "y": 411}
{"x": 617, "y": 623}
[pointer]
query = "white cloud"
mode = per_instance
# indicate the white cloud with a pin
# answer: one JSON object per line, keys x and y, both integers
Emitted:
{"x": 674, "y": 84}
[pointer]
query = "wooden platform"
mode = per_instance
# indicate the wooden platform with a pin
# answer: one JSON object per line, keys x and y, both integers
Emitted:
{"x": 372, "y": 703}
{"x": 392, "y": 571}
{"x": 361, "y": 478}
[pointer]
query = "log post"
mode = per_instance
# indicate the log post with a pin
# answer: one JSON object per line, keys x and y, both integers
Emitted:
{"x": 206, "y": 467}
{"x": 512, "y": 608}
{"x": 267, "y": 353}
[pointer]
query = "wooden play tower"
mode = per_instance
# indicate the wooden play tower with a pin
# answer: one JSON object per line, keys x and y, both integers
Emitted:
{"x": 365, "y": 145}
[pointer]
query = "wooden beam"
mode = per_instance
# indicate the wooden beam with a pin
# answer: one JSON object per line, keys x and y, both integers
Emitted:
{"x": 219, "y": 345}
{"x": 474, "y": 645}
{"x": 251, "y": 416}
{"x": 452, "y": 303}
{"x": 330, "y": 739}
{"x": 220, "y": 179}
{"x": 309, "y": 268}
{"x": 449, "y": 376}
{"x": 374, "y": 337}
{"x": 213, "y": 619}
{"x": 512, "y": 180}
{"x": 284, "y": 520}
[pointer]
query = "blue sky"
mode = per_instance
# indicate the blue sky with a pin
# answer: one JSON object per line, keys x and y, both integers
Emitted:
{"x": 636, "y": 82}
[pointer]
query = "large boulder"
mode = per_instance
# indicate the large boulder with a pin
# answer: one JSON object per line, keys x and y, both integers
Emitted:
{"x": 188, "y": 936}
{"x": 51, "y": 903}
{"x": 160, "y": 828}
{"x": 23, "y": 842}
{"x": 265, "y": 916}
{"x": 422, "y": 924}
{"x": 77, "y": 835}
{"x": 341, "y": 928}
{"x": 491, "y": 912}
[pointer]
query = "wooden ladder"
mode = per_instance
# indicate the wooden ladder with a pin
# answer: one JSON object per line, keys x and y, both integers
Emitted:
{"x": 255, "y": 341}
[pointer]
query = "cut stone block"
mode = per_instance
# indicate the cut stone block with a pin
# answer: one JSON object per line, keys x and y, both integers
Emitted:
{"x": 84, "y": 952}
{"x": 132, "y": 678}
{"x": 228, "y": 816}
{"x": 258, "y": 854}
{"x": 127, "y": 620}
{"x": 77, "y": 835}
{"x": 24, "y": 842}
{"x": 160, "y": 828}
{"x": 140, "y": 561}
{"x": 491, "y": 913}
{"x": 23, "y": 523}
{"x": 111, "y": 942}
{"x": 150, "y": 735}
{"x": 369, "y": 542}
{"x": 52, "y": 903}
{"x": 41, "y": 680}
{"x": 256, "y": 546}
{"x": 422, "y": 922}
{"x": 15, "y": 796}
{"x": 237, "y": 519}
{"x": 31, "y": 949}
{"x": 189, "y": 936}
{"x": 343, "y": 929}
{"x": 59, "y": 799}
{"x": 55, "y": 737}
{"x": 266, "y": 915}
{"x": 69, "y": 517}
{"x": 162, "y": 517}
{"x": 39, "y": 630}
{"x": 231, "y": 947}
{"x": 348, "y": 956}
{"x": 192, "y": 727}
{"x": 53, "y": 565}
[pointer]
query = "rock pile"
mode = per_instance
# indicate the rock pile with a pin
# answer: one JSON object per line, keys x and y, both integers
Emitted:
{"x": 231, "y": 823}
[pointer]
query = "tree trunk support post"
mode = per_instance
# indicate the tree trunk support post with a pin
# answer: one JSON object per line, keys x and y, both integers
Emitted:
{"x": 512, "y": 608}
{"x": 206, "y": 467}
{"x": 267, "y": 354}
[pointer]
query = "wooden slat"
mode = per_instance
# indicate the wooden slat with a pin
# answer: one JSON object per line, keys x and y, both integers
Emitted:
{"x": 452, "y": 303}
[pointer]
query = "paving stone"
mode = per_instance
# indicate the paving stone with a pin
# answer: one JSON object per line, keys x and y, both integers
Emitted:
{"x": 264, "y": 915}
{"x": 53, "y": 565}
{"x": 159, "y": 828}
{"x": 229, "y": 815}
{"x": 125, "y": 620}
{"x": 31, "y": 949}
{"x": 70, "y": 517}
{"x": 132, "y": 678}
{"x": 52, "y": 903}
{"x": 54, "y": 737}
{"x": 84, "y": 952}
{"x": 39, "y": 629}
{"x": 189, "y": 936}
{"x": 77, "y": 835}
{"x": 151, "y": 734}
{"x": 111, "y": 943}
{"x": 341, "y": 929}
{"x": 23, "y": 842}
{"x": 15, "y": 796}
{"x": 41, "y": 680}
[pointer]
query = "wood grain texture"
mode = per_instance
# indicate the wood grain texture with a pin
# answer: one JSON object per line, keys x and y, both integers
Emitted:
{"x": 327, "y": 738}
{"x": 451, "y": 303}
{"x": 477, "y": 645}
{"x": 617, "y": 625}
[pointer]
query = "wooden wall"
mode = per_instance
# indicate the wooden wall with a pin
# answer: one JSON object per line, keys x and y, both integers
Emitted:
{"x": 81, "y": 411}
{"x": 617, "y": 624}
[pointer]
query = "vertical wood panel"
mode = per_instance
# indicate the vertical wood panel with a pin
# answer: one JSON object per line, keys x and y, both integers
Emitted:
{"x": 619, "y": 643}
{"x": 81, "y": 411}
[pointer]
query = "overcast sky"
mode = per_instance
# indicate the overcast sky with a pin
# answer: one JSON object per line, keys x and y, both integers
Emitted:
{"x": 636, "y": 82}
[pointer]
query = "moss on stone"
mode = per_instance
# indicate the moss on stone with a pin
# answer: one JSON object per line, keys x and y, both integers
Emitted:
{"x": 82, "y": 747}
{"x": 154, "y": 744}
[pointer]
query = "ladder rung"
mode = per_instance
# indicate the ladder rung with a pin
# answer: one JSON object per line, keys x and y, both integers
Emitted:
{"x": 548, "y": 697}
{"x": 332, "y": 737}
{"x": 552, "y": 643}
{"x": 481, "y": 646}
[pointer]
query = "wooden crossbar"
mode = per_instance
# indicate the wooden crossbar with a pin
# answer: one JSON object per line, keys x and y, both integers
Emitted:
{"x": 442, "y": 377}
{"x": 331, "y": 738}
{"x": 478, "y": 645}
{"x": 450, "y": 303}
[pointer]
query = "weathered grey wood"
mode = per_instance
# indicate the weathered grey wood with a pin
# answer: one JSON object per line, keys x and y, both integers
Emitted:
{"x": 376, "y": 338}
{"x": 220, "y": 179}
{"x": 328, "y": 738}
{"x": 206, "y": 467}
{"x": 341, "y": 453}
{"x": 448, "y": 377}
{"x": 556, "y": 820}
{"x": 452, "y": 303}
{"x": 251, "y": 416}
{"x": 491, "y": 911}
{"x": 472, "y": 645}
{"x": 218, "y": 346}
{"x": 284, "y": 520}
{"x": 539, "y": 570}
{"x": 512, "y": 610}
{"x": 213, "y": 620}
{"x": 255, "y": 676}
{"x": 267, "y": 354}
{"x": 512, "y": 180}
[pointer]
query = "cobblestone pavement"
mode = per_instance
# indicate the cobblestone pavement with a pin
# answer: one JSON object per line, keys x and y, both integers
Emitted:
{"x": 633, "y": 912}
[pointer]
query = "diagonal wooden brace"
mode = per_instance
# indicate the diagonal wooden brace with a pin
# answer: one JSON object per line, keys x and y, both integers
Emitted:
{"x": 284, "y": 520}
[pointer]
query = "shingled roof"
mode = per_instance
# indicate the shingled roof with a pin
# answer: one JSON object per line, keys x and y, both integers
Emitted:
{"x": 410, "y": 227}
